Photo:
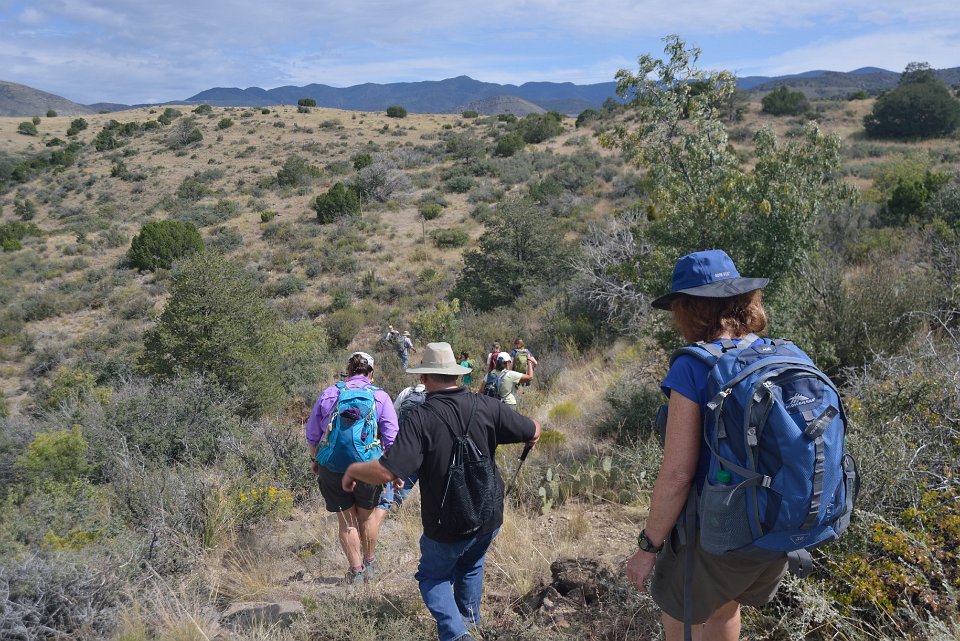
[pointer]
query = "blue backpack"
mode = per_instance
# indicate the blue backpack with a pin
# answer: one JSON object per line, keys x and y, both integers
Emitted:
{"x": 780, "y": 481}
{"x": 351, "y": 435}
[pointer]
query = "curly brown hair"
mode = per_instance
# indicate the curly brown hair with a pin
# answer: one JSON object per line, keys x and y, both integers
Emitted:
{"x": 358, "y": 365}
{"x": 700, "y": 318}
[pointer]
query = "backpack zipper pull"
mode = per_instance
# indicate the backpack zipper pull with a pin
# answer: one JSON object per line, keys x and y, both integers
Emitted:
{"x": 718, "y": 399}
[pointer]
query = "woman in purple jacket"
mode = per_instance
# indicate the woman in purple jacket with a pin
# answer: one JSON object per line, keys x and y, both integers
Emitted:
{"x": 359, "y": 526}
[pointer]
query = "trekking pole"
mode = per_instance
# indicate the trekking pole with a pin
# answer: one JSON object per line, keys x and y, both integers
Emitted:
{"x": 523, "y": 457}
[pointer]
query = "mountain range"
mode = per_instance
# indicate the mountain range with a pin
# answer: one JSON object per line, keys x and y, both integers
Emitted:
{"x": 457, "y": 94}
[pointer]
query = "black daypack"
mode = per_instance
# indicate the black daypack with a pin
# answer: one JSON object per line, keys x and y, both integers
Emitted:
{"x": 471, "y": 493}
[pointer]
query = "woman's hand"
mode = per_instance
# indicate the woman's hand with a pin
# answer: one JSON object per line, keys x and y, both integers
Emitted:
{"x": 639, "y": 567}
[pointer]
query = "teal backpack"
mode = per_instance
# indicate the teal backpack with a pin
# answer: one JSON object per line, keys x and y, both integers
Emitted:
{"x": 351, "y": 435}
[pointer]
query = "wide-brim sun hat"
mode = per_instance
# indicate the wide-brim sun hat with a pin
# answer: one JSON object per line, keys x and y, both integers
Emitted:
{"x": 438, "y": 359}
{"x": 708, "y": 274}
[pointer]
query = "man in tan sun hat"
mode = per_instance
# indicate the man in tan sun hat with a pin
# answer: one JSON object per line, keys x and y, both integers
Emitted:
{"x": 451, "y": 561}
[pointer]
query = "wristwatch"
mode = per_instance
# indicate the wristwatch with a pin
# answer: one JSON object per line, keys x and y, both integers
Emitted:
{"x": 646, "y": 544}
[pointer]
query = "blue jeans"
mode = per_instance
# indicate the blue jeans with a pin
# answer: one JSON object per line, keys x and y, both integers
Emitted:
{"x": 389, "y": 496}
{"x": 451, "y": 582}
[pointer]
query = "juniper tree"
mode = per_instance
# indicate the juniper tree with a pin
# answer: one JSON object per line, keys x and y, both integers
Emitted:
{"x": 698, "y": 193}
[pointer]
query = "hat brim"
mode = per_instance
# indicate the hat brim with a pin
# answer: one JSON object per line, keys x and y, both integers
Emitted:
{"x": 449, "y": 370}
{"x": 719, "y": 289}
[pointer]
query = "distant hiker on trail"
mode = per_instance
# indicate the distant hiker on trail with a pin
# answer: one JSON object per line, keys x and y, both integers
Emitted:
{"x": 404, "y": 347}
{"x": 352, "y": 421}
{"x": 456, "y": 533}
{"x": 504, "y": 383}
{"x": 702, "y": 573}
{"x": 466, "y": 362}
{"x": 492, "y": 357}
{"x": 521, "y": 356}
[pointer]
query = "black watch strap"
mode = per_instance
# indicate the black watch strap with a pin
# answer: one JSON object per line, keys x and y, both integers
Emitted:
{"x": 646, "y": 544}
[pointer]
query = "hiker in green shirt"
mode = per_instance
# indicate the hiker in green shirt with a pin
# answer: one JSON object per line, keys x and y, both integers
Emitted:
{"x": 466, "y": 362}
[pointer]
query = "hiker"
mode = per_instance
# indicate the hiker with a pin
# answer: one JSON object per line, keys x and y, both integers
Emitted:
{"x": 407, "y": 400}
{"x": 451, "y": 567}
{"x": 710, "y": 302}
{"x": 466, "y": 362}
{"x": 521, "y": 355}
{"x": 402, "y": 343}
{"x": 505, "y": 381}
{"x": 331, "y": 431}
{"x": 492, "y": 357}
{"x": 404, "y": 347}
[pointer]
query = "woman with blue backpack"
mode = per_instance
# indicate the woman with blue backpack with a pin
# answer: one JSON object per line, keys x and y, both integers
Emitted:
{"x": 353, "y": 421}
{"x": 710, "y": 302}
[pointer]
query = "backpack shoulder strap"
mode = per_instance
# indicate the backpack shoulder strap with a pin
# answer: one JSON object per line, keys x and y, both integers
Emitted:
{"x": 465, "y": 426}
{"x": 707, "y": 353}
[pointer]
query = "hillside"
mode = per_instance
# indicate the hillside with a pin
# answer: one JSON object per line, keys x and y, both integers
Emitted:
{"x": 20, "y": 100}
{"x": 503, "y": 105}
{"x": 144, "y": 502}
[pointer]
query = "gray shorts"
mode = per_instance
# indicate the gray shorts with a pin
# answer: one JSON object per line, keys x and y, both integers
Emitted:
{"x": 364, "y": 495}
{"x": 716, "y": 579}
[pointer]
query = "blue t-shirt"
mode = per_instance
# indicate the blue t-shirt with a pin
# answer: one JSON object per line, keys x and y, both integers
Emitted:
{"x": 688, "y": 377}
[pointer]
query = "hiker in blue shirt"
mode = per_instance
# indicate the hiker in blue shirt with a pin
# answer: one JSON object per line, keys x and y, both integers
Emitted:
{"x": 710, "y": 301}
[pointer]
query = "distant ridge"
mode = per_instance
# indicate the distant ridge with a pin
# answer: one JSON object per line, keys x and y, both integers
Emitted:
{"x": 454, "y": 95}
{"x": 430, "y": 96}
{"x": 503, "y": 105}
{"x": 21, "y": 100}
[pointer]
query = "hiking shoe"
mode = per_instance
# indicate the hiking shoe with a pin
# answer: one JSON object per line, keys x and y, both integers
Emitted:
{"x": 353, "y": 577}
{"x": 369, "y": 569}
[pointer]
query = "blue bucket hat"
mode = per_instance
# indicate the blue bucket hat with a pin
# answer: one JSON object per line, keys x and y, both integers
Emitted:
{"x": 710, "y": 274}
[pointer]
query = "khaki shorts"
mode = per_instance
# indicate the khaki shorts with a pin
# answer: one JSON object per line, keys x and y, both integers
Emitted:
{"x": 716, "y": 580}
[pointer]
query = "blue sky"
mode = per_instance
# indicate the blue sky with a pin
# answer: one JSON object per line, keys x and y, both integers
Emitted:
{"x": 135, "y": 51}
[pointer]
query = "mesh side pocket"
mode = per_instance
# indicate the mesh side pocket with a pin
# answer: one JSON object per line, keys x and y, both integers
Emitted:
{"x": 723, "y": 519}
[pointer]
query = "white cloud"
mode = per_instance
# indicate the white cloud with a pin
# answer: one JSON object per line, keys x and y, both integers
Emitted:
{"x": 31, "y": 17}
{"x": 137, "y": 51}
{"x": 889, "y": 50}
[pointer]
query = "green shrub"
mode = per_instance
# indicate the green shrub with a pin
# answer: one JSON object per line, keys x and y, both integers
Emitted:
{"x": 55, "y": 457}
{"x": 508, "y": 145}
{"x": 430, "y": 210}
{"x": 342, "y": 326}
{"x": 161, "y": 242}
{"x": 12, "y": 233}
{"x": 203, "y": 109}
{"x": 76, "y": 126}
{"x": 265, "y": 111}
{"x": 459, "y": 184}
{"x": 362, "y": 160}
{"x": 35, "y": 120}
{"x": 537, "y": 128}
{"x": 307, "y": 102}
{"x": 396, "y": 111}
{"x": 337, "y": 202}
{"x": 783, "y": 102}
{"x": 27, "y": 129}
{"x": 217, "y": 324}
{"x": 267, "y": 215}
{"x": 51, "y": 113}
{"x": 470, "y": 113}
{"x": 632, "y": 410}
{"x": 296, "y": 171}
{"x": 449, "y": 238}
{"x": 919, "y": 107}
{"x": 225, "y": 123}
